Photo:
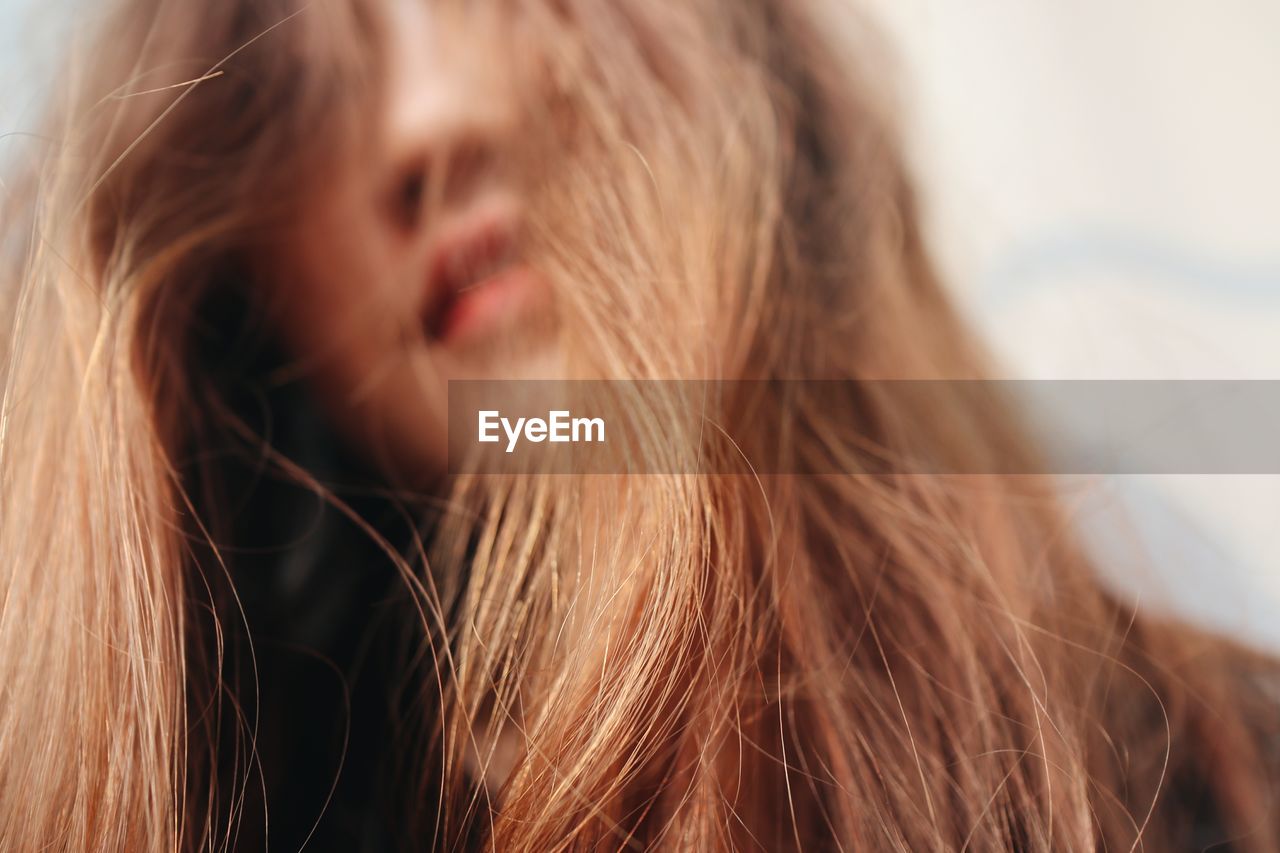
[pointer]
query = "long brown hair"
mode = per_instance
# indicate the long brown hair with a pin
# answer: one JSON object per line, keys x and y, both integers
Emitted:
{"x": 829, "y": 661}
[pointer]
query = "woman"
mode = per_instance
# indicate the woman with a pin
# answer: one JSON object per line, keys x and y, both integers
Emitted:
{"x": 245, "y": 604}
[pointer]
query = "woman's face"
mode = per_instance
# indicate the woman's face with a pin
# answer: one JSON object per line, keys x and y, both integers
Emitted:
{"x": 405, "y": 267}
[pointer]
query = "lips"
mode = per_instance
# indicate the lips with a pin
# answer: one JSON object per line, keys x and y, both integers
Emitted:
{"x": 475, "y": 275}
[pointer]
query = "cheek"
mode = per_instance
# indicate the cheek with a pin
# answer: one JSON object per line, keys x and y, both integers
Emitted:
{"x": 343, "y": 286}
{"x": 342, "y": 301}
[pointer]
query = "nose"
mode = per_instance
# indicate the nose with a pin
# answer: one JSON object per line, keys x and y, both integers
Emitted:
{"x": 449, "y": 109}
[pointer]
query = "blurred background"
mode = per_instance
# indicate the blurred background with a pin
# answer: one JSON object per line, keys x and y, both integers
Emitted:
{"x": 1103, "y": 193}
{"x": 1102, "y": 189}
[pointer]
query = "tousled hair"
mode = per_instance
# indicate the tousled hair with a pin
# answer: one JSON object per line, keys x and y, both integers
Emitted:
{"x": 821, "y": 661}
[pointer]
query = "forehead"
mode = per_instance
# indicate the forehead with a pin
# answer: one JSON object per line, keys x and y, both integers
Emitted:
{"x": 443, "y": 64}
{"x": 419, "y": 40}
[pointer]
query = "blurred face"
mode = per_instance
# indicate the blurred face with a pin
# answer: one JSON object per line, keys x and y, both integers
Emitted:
{"x": 405, "y": 268}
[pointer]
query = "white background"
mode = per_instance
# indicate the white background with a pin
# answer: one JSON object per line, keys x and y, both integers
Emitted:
{"x": 1105, "y": 197}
